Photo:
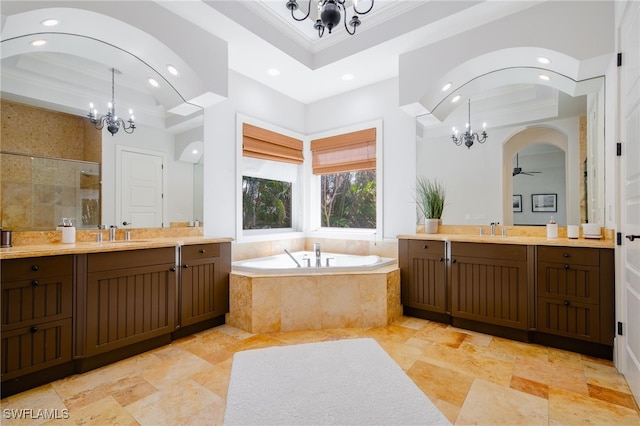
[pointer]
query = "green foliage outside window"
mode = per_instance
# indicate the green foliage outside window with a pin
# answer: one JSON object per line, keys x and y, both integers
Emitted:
{"x": 266, "y": 203}
{"x": 349, "y": 200}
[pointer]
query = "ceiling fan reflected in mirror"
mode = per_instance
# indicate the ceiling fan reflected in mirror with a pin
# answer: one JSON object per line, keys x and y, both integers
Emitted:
{"x": 517, "y": 170}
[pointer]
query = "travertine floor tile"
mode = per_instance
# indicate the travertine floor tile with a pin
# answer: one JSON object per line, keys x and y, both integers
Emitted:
{"x": 491, "y": 404}
{"x": 568, "y": 408}
{"x": 40, "y": 398}
{"x": 167, "y": 373}
{"x": 178, "y": 403}
{"x": 125, "y": 391}
{"x": 105, "y": 411}
{"x": 440, "y": 383}
{"x": 571, "y": 379}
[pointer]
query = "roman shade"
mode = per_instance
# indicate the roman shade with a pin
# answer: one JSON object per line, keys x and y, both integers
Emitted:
{"x": 267, "y": 145}
{"x": 348, "y": 152}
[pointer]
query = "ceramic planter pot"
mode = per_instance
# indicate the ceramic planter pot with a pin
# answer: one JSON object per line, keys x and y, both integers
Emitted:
{"x": 431, "y": 226}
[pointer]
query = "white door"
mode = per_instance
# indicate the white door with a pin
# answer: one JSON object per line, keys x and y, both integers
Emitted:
{"x": 629, "y": 276}
{"x": 141, "y": 189}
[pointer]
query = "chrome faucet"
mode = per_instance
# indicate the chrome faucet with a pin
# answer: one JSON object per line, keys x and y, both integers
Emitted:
{"x": 316, "y": 248}
{"x": 493, "y": 228}
{"x": 112, "y": 232}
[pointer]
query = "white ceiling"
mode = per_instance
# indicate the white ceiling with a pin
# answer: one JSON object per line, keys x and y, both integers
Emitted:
{"x": 261, "y": 36}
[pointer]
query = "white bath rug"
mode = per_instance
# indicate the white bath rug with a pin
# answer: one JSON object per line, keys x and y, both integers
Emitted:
{"x": 345, "y": 382}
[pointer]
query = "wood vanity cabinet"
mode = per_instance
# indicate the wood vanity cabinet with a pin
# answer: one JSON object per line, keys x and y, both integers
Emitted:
{"x": 490, "y": 284}
{"x": 423, "y": 277}
{"x": 204, "y": 282}
{"x": 36, "y": 310}
{"x": 576, "y": 293}
{"x": 128, "y": 297}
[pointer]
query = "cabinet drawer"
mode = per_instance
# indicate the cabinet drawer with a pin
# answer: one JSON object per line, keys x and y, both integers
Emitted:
{"x": 29, "y": 349}
{"x": 569, "y": 319}
{"x": 569, "y": 255}
{"x": 130, "y": 259}
{"x": 200, "y": 251}
{"x": 36, "y": 267}
{"x": 577, "y": 283}
{"x": 30, "y": 301}
{"x": 426, "y": 246}
{"x": 489, "y": 251}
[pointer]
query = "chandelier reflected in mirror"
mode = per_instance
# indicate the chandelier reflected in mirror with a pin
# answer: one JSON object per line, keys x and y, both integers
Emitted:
{"x": 469, "y": 137}
{"x": 111, "y": 120}
{"x": 329, "y": 13}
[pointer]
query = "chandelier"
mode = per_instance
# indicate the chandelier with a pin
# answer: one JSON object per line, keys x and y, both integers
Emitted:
{"x": 111, "y": 120}
{"x": 469, "y": 136}
{"x": 329, "y": 14}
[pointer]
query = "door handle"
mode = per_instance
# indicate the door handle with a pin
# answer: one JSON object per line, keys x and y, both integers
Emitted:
{"x": 125, "y": 223}
{"x": 633, "y": 237}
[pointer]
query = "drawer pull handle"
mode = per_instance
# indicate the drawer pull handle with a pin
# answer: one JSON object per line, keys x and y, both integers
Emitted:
{"x": 34, "y": 329}
{"x": 185, "y": 266}
{"x": 566, "y": 266}
{"x": 35, "y": 283}
{"x": 453, "y": 261}
{"x": 173, "y": 269}
{"x": 567, "y": 255}
{"x": 442, "y": 259}
{"x": 566, "y": 303}
{"x": 35, "y": 268}
{"x": 425, "y": 246}
{"x": 202, "y": 251}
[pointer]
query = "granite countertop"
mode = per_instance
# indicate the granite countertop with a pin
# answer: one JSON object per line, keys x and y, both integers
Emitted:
{"x": 52, "y": 249}
{"x": 522, "y": 240}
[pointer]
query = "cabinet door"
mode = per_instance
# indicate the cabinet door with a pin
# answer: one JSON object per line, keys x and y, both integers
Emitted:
{"x": 129, "y": 305}
{"x": 424, "y": 278}
{"x": 489, "y": 290}
{"x": 204, "y": 282}
{"x": 569, "y": 318}
{"x": 30, "y": 349}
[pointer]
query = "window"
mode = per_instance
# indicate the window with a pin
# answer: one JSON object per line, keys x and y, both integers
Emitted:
{"x": 348, "y": 199}
{"x": 270, "y": 167}
{"x": 346, "y": 165}
{"x": 266, "y": 203}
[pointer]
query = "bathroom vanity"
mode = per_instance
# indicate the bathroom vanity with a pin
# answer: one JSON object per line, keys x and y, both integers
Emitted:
{"x": 556, "y": 292}
{"x": 71, "y": 308}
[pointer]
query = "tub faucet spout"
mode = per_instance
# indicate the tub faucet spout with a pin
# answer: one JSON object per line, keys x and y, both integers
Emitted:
{"x": 316, "y": 248}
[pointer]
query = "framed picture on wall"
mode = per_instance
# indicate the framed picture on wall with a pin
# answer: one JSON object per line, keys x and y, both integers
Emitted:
{"x": 544, "y": 202}
{"x": 517, "y": 203}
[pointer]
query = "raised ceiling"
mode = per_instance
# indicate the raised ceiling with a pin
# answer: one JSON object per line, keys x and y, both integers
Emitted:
{"x": 260, "y": 36}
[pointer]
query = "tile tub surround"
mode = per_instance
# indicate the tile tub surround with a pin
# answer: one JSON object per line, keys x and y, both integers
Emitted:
{"x": 472, "y": 378}
{"x": 263, "y": 303}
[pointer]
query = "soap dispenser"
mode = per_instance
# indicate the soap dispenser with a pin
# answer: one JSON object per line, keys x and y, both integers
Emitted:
{"x": 68, "y": 231}
{"x": 552, "y": 228}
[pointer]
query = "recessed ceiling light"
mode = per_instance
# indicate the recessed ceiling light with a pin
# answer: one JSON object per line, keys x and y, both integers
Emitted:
{"x": 544, "y": 77}
{"x": 544, "y": 60}
{"x": 49, "y": 22}
{"x": 273, "y": 72}
{"x": 153, "y": 82}
{"x": 172, "y": 70}
{"x": 456, "y": 98}
{"x": 38, "y": 42}
{"x": 446, "y": 87}
{"x": 348, "y": 77}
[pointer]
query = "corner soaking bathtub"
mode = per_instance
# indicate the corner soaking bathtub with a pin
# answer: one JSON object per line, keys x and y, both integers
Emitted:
{"x": 272, "y": 294}
{"x": 284, "y": 264}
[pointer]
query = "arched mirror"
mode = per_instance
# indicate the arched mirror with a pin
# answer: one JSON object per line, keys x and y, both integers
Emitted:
{"x": 56, "y": 164}
{"x": 526, "y": 120}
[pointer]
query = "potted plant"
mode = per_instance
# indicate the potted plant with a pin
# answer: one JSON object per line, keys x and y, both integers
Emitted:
{"x": 430, "y": 198}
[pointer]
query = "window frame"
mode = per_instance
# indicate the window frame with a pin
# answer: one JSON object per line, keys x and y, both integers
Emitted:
{"x": 314, "y": 224}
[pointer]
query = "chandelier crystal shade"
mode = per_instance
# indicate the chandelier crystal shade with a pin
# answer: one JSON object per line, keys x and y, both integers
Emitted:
{"x": 111, "y": 120}
{"x": 469, "y": 137}
{"x": 329, "y": 13}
